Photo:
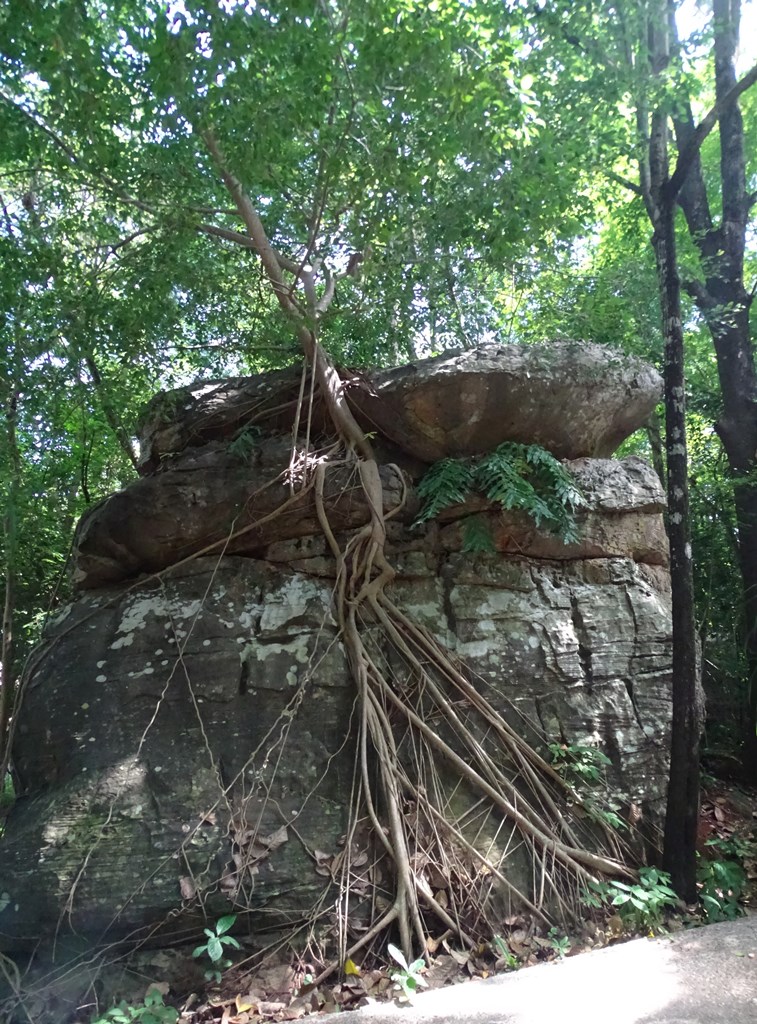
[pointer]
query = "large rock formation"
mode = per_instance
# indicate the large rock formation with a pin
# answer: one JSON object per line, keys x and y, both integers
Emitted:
{"x": 187, "y": 735}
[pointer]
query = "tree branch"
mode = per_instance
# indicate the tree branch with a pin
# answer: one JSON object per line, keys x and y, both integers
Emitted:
{"x": 325, "y": 300}
{"x": 39, "y": 123}
{"x": 240, "y": 238}
{"x": 632, "y": 186}
{"x": 703, "y": 129}
{"x": 300, "y": 271}
{"x": 698, "y": 293}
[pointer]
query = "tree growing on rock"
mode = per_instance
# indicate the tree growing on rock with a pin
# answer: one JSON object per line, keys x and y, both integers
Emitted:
{"x": 309, "y": 137}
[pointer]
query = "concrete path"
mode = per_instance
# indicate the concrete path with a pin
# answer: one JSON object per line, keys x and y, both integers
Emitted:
{"x": 703, "y": 976}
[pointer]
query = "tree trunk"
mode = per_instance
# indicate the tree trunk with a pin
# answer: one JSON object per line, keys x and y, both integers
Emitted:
{"x": 659, "y": 193}
{"x": 10, "y": 530}
{"x": 682, "y": 814}
{"x": 724, "y": 303}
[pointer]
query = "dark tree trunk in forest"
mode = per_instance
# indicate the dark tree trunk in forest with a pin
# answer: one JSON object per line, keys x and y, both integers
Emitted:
{"x": 725, "y": 304}
{"x": 659, "y": 191}
{"x": 10, "y": 539}
{"x": 722, "y": 252}
{"x": 682, "y": 814}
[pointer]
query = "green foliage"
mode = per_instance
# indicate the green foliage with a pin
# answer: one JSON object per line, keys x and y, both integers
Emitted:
{"x": 477, "y": 537}
{"x": 214, "y": 947}
{"x": 560, "y": 943}
{"x": 723, "y": 881}
{"x": 514, "y": 476}
{"x": 409, "y": 977}
{"x": 577, "y": 763}
{"x": 641, "y": 905}
{"x": 7, "y": 793}
{"x": 531, "y": 479}
{"x": 735, "y": 846}
{"x": 7, "y": 800}
{"x": 245, "y": 444}
{"x": 583, "y": 768}
{"x": 152, "y": 1011}
{"x": 721, "y": 885}
{"x": 447, "y": 482}
{"x": 505, "y": 957}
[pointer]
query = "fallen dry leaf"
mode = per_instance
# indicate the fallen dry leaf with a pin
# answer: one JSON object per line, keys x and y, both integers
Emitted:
{"x": 460, "y": 958}
{"x": 269, "y": 1008}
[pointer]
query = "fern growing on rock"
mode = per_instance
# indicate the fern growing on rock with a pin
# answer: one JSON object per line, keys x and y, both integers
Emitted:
{"x": 447, "y": 482}
{"x": 525, "y": 477}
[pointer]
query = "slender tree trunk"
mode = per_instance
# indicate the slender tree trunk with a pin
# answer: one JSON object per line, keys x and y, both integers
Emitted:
{"x": 654, "y": 436}
{"x": 682, "y": 814}
{"x": 659, "y": 193}
{"x": 10, "y": 531}
{"x": 109, "y": 411}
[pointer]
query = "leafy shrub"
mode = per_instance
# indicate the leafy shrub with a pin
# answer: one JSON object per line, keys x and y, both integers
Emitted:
{"x": 152, "y": 1011}
{"x": 583, "y": 768}
{"x": 641, "y": 904}
{"x": 578, "y": 764}
{"x": 721, "y": 885}
{"x": 723, "y": 881}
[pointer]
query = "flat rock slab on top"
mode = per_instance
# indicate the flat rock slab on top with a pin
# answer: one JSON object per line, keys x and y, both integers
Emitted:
{"x": 574, "y": 398}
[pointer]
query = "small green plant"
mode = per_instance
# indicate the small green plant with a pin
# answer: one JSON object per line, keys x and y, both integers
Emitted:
{"x": 152, "y": 1011}
{"x": 577, "y": 763}
{"x": 409, "y": 977}
{"x": 734, "y": 847}
{"x": 505, "y": 957}
{"x": 515, "y": 476}
{"x": 641, "y": 904}
{"x": 560, "y": 943}
{"x": 605, "y": 815}
{"x": 245, "y": 443}
{"x": 583, "y": 768}
{"x": 721, "y": 885}
{"x": 213, "y": 948}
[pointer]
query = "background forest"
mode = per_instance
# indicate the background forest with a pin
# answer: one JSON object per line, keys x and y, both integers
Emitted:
{"x": 443, "y": 173}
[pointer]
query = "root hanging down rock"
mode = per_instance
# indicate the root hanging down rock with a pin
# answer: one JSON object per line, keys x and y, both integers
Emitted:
{"x": 479, "y": 750}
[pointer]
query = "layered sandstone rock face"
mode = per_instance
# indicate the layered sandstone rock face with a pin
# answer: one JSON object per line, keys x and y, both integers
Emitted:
{"x": 188, "y": 727}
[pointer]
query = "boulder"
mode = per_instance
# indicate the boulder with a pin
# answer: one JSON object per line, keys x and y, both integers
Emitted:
{"x": 218, "y": 409}
{"x": 196, "y": 735}
{"x": 207, "y": 498}
{"x": 187, "y": 739}
{"x": 143, "y": 706}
